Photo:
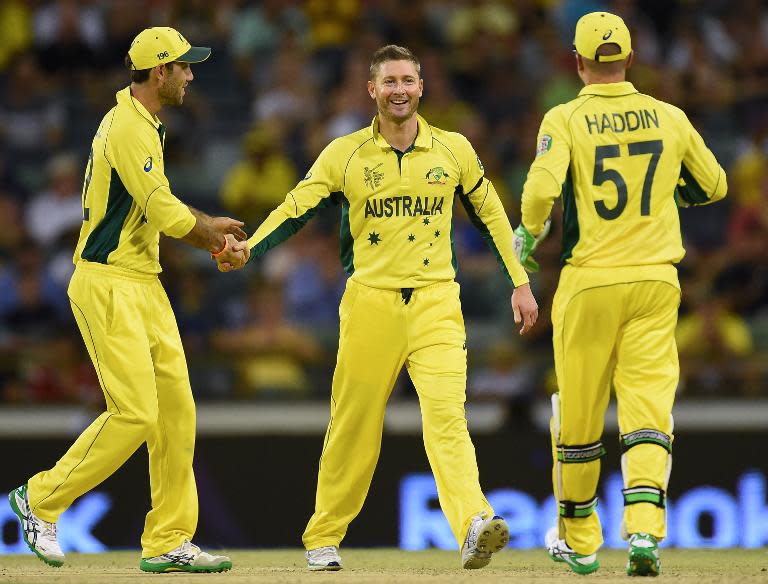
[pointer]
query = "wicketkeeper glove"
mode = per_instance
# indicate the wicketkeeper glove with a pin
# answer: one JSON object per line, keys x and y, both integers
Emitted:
{"x": 680, "y": 201}
{"x": 524, "y": 243}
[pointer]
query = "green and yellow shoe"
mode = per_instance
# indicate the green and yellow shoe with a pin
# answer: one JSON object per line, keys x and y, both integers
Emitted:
{"x": 560, "y": 551}
{"x": 643, "y": 555}
{"x": 40, "y": 536}
{"x": 186, "y": 558}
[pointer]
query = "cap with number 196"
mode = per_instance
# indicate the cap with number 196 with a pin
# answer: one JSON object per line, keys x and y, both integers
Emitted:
{"x": 163, "y": 44}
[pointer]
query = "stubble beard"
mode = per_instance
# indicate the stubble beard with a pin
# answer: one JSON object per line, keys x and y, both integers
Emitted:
{"x": 385, "y": 112}
{"x": 171, "y": 94}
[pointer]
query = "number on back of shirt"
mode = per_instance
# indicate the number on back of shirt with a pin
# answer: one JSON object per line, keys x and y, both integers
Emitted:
{"x": 601, "y": 175}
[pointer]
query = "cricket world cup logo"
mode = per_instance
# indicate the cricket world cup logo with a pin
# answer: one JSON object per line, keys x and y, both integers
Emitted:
{"x": 372, "y": 176}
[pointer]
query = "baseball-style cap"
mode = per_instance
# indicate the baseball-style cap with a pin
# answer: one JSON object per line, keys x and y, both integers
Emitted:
{"x": 163, "y": 44}
{"x": 598, "y": 28}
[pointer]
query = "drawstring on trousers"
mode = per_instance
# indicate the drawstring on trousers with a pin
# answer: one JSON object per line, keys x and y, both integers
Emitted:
{"x": 406, "y": 293}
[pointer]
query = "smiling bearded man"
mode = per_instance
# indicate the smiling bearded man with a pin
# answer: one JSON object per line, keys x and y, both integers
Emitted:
{"x": 396, "y": 181}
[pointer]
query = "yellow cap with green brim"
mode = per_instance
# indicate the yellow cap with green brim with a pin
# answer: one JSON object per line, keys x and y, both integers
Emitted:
{"x": 599, "y": 28}
{"x": 163, "y": 44}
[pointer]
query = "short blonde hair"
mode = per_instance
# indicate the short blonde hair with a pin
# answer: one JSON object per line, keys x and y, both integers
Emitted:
{"x": 392, "y": 53}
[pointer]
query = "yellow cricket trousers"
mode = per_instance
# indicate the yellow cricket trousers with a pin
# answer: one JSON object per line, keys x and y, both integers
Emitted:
{"x": 380, "y": 330}
{"x": 130, "y": 331}
{"x": 613, "y": 327}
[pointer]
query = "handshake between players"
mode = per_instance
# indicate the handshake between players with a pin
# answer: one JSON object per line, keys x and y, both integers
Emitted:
{"x": 234, "y": 255}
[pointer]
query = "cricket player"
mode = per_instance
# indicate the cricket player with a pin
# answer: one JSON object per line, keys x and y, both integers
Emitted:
{"x": 395, "y": 182}
{"x": 127, "y": 323}
{"x": 620, "y": 160}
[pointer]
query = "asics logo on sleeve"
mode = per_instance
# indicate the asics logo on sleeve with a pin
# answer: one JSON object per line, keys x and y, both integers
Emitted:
{"x": 148, "y": 164}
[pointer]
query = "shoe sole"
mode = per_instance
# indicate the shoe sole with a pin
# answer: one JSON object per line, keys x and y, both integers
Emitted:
{"x": 575, "y": 567}
{"x": 490, "y": 540}
{"x": 642, "y": 563}
{"x": 581, "y": 569}
{"x": 335, "y": 568}
{"x": 20, "y": 517}
{"x": 171, "y": 567}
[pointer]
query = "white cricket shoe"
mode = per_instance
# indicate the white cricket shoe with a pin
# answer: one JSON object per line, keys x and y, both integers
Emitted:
{"x": 484, "y": 537}
{"x": 186, "y": 558}
{"x": 39, "y": 535}
{"x": 324, "y": 558}
{"x": 560, "y": 551}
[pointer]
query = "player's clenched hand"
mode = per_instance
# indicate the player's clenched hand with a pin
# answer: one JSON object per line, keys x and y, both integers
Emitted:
{"x": 227, "y": 225}
{"x": 234, "y": 255}
{"x": 524, "y": 307}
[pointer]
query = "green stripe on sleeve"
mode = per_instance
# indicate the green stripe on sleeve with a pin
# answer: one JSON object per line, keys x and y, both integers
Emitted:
{"x": 103, "y": 240}
{"x": 346, "y": 241}
{"x": 484, "y": 232}
{"x": 690, "y": 192}
{"x": 570, "y": 219}
{"x": 291, "y": 226}
{"x": 454, "y": 257}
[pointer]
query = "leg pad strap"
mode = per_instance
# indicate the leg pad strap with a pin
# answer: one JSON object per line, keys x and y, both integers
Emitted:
{"x": 645, "y": 436}
{"x": 574, "y": 509}
{"x": 584, "y": 453}
{"x": 644, "y": 494}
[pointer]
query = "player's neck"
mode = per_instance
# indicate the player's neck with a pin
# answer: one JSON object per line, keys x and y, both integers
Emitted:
{"x": 144, "y": 94}
{"x": 399, "y": 135}
{"x": 594, "y": 78}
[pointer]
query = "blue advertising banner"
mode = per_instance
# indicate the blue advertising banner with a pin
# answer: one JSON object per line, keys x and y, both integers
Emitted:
{"x": 718, "y": 495}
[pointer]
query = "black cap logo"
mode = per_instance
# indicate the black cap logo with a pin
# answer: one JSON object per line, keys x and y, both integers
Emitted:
{"x": 607, "y": 35}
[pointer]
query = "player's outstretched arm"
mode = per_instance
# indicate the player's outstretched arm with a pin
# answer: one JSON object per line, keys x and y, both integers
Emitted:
{"x": 524, "y": 307}
{"x": 210, "y": 233}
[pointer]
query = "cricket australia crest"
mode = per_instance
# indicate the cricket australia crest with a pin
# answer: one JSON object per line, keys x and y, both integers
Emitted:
{"x": 436, "y": 176}
{"x": 372, "y": 176}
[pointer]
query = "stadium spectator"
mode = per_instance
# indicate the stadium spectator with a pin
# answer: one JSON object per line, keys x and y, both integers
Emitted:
{"x": 68, "y": 36}
{"x": 714, "y": 345}
{"x": 57, "y": 209}
{"x": 288, "y": 96}
{"x": 15, "y": 30}
{"x": 61, "y": 372}
{"x": 258, "y": 30}
{"x": 31, "y": 116}
{"x": 11, "y": 228}
{"x": 314, "y": 284}
{"x": 271, "y": 354}
{"x": 256, "y": 184}
{"x": 491, "y": 66}
{"x": 332, "y": 24}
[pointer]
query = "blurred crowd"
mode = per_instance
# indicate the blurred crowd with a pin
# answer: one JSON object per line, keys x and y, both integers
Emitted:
{"x": 288, "y": 76}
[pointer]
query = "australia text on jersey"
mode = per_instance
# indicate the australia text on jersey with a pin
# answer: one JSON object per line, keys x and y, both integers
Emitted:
{"x": 404, "y": 206}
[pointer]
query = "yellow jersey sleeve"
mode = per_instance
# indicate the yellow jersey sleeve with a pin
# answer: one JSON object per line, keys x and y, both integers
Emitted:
{"x": 139, "y": 164}
{"x": 547, "y": 174}
{"x": 321, "y": 187}
{"x": 702, "y": 179}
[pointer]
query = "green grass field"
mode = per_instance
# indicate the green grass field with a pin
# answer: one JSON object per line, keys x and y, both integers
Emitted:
{"x": 379, "y": 566}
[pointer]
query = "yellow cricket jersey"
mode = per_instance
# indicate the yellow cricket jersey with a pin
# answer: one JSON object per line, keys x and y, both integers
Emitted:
{"x": 619, "y": 158}
{"x": 396, "y": 208}
{"x": 127, "y": 201}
